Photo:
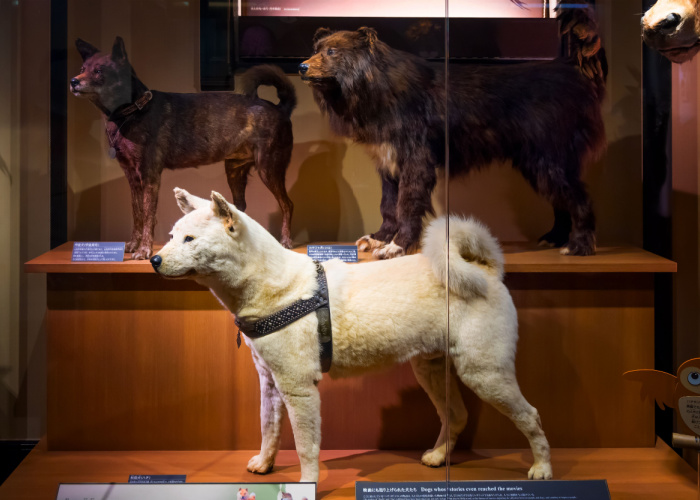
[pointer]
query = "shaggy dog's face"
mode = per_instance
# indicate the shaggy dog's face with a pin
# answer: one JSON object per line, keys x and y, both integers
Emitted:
{"x": 673, "y": 28}
{"x": 104, "y": 78}
{"x": 203, "y": 242}
{"x": 337, "y": 55}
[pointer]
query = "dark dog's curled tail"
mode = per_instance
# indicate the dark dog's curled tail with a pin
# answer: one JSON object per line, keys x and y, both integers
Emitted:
{"x": 275, "y": 77}
{"x": 578, "y": 25}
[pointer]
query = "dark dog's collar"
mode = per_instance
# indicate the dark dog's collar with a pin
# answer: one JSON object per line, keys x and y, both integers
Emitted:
{"x": 138, "y": 105}
{"x": 290, "y": 314}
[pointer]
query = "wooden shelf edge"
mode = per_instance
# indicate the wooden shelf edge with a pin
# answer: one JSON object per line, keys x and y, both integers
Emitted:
{"x": 631, "y": 473}
{"x": 519, "y": 258}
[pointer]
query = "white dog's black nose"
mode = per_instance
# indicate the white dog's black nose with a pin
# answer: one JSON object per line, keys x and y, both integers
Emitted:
{"x": 156, "y": 261}
{"x": 74, "y": 82}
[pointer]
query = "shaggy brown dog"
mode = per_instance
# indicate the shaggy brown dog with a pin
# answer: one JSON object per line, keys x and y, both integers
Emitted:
{"x": 150, "y": 130}
{"x": 545, "y": 118}
{"x": 673, "y": 28}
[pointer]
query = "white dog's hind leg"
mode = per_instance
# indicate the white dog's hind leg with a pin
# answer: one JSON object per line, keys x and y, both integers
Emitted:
{"x": 499, "y": 387}
{"x": 430, "y": 374}
{"x": 272, "y": 411}
{"x": 304, "y": 408}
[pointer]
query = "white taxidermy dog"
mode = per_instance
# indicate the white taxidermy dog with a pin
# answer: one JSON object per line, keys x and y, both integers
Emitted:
{"x": 382, "y": 313}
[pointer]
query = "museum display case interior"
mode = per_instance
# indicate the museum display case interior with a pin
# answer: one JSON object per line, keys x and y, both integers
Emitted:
{"x": 118, "y": 371}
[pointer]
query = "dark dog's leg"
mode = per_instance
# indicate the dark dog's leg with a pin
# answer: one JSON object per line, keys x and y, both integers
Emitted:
{"x": 150, "y": 203}
{"x": 573, "y": 210}
{"x": 582, "y": 239}
{"x": 389, "y": 227}
{"x": 237, "y": 171}
{"x": 136, "y": 208}
{"x": 387, "y": 207}
{"x": 272, "y": 169}
{"x": 416, "y": 183}
{"x": 559, "y": 234}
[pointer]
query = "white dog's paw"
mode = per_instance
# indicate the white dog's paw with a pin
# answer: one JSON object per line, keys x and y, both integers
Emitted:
{"x": 389, "y": 251}
{"x": 367, "y": 243}
{"x": 540, "y": 471}
{"x": 258, "y": 465}
{"x": 433, "y": 458}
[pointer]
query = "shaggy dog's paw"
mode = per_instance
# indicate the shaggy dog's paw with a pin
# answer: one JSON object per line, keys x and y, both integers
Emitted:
{"x": 142, "y": 253}
{"x": 433, "y": 458}
{"x": 367, "y": 243}
{"x": 582, "y": 243}
{"x": 258, "y": 465}
{"x": 580, "y": 249}
{"x": 540, "y": 471}
{"x": 389, "y": 251}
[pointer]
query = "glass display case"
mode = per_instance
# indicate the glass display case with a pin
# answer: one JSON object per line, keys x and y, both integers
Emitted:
{"x": 293, "y": 123}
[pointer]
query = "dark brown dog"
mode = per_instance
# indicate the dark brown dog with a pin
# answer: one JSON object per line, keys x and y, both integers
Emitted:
{"x": 545, "y": 118}
{"x": 150, "y": 130}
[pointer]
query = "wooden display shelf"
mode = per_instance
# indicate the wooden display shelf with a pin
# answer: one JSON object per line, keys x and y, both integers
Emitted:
{"x": 632, "y": 474}
{"x": 520, "y": 258}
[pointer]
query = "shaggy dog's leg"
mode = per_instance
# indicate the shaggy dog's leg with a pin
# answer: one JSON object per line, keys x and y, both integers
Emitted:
{"x": 386, "y": 232}
{"x": 387, "y": 207}
{"x": 582, "y": 240}
{"x": 304, "y": 408}
{"x": 272, "y": 170}
{"x": 272, "y": 412}
{"x": 151, "y": 183}
{"x": 136, "y": 207}
{"x": 416, "y": 183}
{"x": 237, "y": 171}
{"x": 566, "y": 192}
{"x": 559, "y": 234}
{"x": 498, "y": 386}
{"x": 430, "y": 374}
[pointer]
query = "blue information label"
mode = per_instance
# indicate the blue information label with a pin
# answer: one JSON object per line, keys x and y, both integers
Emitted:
{"x": 157, "y": 479}
{"x": 322, "y": 253}
{"x": 484, "y": 490}
{"x": 98, "y": 251}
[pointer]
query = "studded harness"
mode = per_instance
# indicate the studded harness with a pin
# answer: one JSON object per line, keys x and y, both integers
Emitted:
{"x": 297, "y": 310}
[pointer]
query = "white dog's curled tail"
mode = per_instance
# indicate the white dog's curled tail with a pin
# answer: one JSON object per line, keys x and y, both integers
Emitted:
{"x": 474, "y": 255}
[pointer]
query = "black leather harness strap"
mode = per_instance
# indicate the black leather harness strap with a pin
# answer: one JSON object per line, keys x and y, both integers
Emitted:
{"x": 319, "y": 303}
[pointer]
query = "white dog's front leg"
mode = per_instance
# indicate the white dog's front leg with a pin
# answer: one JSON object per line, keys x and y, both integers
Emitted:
{"x": 304, "y": 408}
{"x": 272, "y": 412}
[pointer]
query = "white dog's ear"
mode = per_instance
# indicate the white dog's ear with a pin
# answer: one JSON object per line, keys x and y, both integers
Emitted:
{"x": 224, "y": 210}
{"x": 188, "y": 202}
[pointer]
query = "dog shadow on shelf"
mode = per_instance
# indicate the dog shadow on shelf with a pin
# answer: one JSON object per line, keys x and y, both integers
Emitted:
{"x": 325, "y": 205}
{"x": 85, "y": 212}
{"x": 500, "y": 198}
{"x": 5, "y": 169}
